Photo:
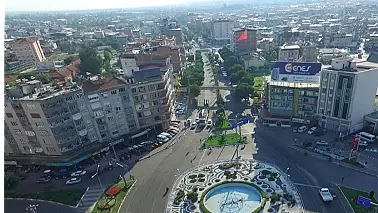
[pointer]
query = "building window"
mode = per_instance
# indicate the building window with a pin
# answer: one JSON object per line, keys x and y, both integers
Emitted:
{"x": 30, "y": 133}
{"x": 39, "y": 124}
{"x": 26, "y": 148}
{"x": 35, "y": 115}
{"x": 113, "y": 92}
{"x": 31, "y": 106}
{"x": 110, "y": 118}
{"x": 115, "y": 133}
{"x": 69, "y": 98}
{"x": 9, "y": 115}
{"x": 118, "y": 108}
{"x": 13, "y": 123}
{"x": 103, "y": 135}
{"x": 133, "y": 90}
{"x": 122, "y": 89}
{"x": 50, "y": 149}
{"x": 17, "y": 132}
{"x": 43, "y": 133}
{"x": 131, "y": 126}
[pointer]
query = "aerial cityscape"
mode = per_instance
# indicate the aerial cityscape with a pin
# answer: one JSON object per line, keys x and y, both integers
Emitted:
{"x": 191, "y": 107}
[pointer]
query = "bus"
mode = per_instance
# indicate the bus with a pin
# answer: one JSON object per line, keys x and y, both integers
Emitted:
{"x": 203, "y": 117}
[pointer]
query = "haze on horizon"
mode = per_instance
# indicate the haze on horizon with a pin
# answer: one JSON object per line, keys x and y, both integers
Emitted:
{"x": 66, "y": 5}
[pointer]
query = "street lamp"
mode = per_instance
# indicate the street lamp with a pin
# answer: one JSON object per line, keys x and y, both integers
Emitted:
{"x": 32, "y": 208}
{"x": 98, "y": 176}
{"x": 123, "y": 176}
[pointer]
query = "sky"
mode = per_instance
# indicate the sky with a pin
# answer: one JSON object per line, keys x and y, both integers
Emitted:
{"x": 46, "y": 5}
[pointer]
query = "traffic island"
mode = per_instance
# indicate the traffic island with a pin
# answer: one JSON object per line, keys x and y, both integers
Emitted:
{"x": 67, "y": 197}
{"x": 113, "y": 197}
{"x": 234, "y": 186}
{"x": 351, "y": 195}
{"x": 222, "y": 140}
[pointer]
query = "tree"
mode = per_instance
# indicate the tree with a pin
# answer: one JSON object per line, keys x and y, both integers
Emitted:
{"x": 222, "y": 140}
{"x": 195, "y": 90}
{"x": 69, "y": 60}
{"x": 248, "y": 79}
{"x": 191, "y": 58}
{"x": 236, "y": 67}
{"x": 220, "y": 100}
{"x": 10, "y": 181}
{"x": 44, "y": 78}
{"x": 216, "y": 57}
{"x": 371, "y": 194}
{"x": 243, "y": 90}
{"x": 107, "y": 56}
{"x": 236, "y": 77}
{"x": 90, "y": 62}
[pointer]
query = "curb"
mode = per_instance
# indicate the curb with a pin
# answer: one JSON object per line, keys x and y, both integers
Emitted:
{"x": 77, "y": 205}
{"x": 120, "y": 206}
{"x": 335, "y": 161}
{"x": 43, "y": 201}
{"x": 350, "y": 206}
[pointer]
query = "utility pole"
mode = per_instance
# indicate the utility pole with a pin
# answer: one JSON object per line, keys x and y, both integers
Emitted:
{"x": 114, "y": 152}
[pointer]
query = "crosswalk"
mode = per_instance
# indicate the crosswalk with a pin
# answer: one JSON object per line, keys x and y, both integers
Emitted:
{"x": 90, "y": 197}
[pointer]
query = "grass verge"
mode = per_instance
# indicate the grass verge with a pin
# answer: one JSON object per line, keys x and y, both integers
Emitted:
{"x": 353, "y": 162}
{"x": 68, "y": 196}
{"x": 118, "y": 198}
{"x": 352, "y": 194}
{"x": 229, "y": 139}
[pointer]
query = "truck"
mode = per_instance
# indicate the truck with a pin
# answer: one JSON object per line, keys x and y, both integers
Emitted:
{"x": 326, "y": 194}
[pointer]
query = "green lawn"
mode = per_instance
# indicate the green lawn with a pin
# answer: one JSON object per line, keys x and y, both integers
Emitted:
{"x": 351, "y": 195}
{"x": 118, "y": 198}
{"x": 68, "y": 196}
{"x": 258, "y": 82}
{"x": 212, "y": 141}
{"x": 222, "y": 125}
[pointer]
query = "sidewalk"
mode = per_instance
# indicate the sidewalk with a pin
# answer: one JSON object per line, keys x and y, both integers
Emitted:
{"x": 89, "y": 198}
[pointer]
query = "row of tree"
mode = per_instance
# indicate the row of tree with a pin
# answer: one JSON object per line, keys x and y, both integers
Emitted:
{"x": 94, "y": 64}
{"x": 193, "y": 76}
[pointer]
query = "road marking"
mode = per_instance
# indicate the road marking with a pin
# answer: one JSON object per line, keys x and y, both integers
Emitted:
{"x": 306, "y": 185}
{"x": 203, "y": 155}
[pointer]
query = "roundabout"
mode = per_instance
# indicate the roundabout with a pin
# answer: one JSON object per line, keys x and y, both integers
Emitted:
{"x": 234, "y": 186}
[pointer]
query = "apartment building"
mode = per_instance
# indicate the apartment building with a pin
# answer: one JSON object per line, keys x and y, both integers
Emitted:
{"x": 289, "y": 53}
{"x": 177, "y": 55}
{"x": 43, "y": 121}
{"x": 221, "y": 31}
{"x": 243, "y": 47}
{"x": 111, "y": 107}
{"x": 152, "y": 88}
{"x": 27, "y": 50}
{"x": 177, "y": 33}
{"x": 347, "y": 92}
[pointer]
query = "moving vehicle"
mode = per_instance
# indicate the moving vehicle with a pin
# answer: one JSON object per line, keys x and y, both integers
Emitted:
{"x": 325, "y": 194}
{"x": 175, "y": 128}
{"x": 209, "y": 123}
{"x": 311, "y": 130}
{"x": 79, "y": 173}
{"x": 44, "y": 180}
{"x": 203, "y": 117}
{"x": 302, "y": 129}
{"x": 73, "y": 181}
{"x": 322, "y": 143}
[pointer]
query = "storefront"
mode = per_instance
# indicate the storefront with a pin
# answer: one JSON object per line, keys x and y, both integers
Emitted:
{"x": 71, "y": 163}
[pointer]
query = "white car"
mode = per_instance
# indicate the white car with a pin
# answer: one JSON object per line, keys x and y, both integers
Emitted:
{"x": 79, "y": 173}
{"x": 311, "y": 130}
{"x": 197, "y": 120}
{"x": 169, "y": 136}
{"x": 363, "y": 143}
{"x": 209, "y": 122}
{"x": 193, "y": 125}
{"x": 322, "y": 143}
{"x": 162, "y": 138}
{"x": 73, "y": 181}
{"x": 175, "y": 128}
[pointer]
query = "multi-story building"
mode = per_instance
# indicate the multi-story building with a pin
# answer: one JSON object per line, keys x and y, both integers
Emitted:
{"x": 347, "y": 92}
{"x": 246, "y": 46}
{"x": 111, "y": 107}
{"x": 293, "y": 100}
{"x": 221, "y": 31}
{"x": 177, "y": 33}
{"x": 289, "y": 53}
{"x": 44, "y": 121}
{"x": 176, "y": 53}
{"x": 27, "y": 50}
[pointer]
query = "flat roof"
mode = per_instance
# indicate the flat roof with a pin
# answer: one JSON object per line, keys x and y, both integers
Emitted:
{"x": 290, "y": 47}
{"x": 373, "y": 115}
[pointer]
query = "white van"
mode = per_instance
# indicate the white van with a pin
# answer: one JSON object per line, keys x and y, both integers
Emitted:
{"x": 364, "y": 136}
{"x": 302, "y": 129}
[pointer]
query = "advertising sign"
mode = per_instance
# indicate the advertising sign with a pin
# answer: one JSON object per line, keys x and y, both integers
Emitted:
{"x": 356, "y": 140}
{"x": 303, "y": 72}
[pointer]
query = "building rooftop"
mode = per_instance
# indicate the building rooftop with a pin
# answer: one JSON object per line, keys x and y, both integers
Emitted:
{"x": 290, "y": 47}
{"x": 373, "y": 115}
{"x": 49, "y": 93}
{"x": 103, "y": 84}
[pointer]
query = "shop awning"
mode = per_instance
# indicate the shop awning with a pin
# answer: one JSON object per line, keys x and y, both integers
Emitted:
{"x": 140, "y": 133}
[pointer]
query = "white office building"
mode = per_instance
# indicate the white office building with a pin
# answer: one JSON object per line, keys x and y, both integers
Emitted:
{"x": 347, "y": 92}
{"x": 289, "y": 53}
{"x": 222, "y": 31}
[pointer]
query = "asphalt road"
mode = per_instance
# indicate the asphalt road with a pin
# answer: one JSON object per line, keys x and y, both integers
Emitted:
{"x": 19, "y": 206}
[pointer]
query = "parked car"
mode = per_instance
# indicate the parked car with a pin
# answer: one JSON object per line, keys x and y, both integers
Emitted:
{"x": 311, "y": 130}
{"x": 209, "y": 123}
{"x": 173, "y": 131}
{"x": 73, "y": 181}
{"x": 169, "y": 136}
{"x": 363, "y": 143}
{"x": 79, "y": 173}
{"x": 322, "y": 143}
{"x": 175, "y": 128}
{"x": 44, "y": 180}
{"x": 162, "y": 138}
{"x": 193, "y": 125}
{"x": 21, "y": 177}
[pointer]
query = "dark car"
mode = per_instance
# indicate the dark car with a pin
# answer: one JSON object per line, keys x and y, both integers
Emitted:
{"x": 44, "y": 180}
{"x": 21, "y": 177}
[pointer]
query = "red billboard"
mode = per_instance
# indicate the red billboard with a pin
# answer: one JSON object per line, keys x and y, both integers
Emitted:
{"x": 355, "y": 143}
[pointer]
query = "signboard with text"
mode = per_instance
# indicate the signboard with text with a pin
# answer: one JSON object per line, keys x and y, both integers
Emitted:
{"x": 356, "y": 140}
{"x": 301, "y": 72}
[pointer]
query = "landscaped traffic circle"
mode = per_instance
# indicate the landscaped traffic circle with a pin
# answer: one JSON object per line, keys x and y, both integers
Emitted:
{"x": 237, "y": 186}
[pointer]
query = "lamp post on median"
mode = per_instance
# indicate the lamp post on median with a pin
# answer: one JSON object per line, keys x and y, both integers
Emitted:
{"x": 98, "y": 176}
{"x": 123, "y": 176}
